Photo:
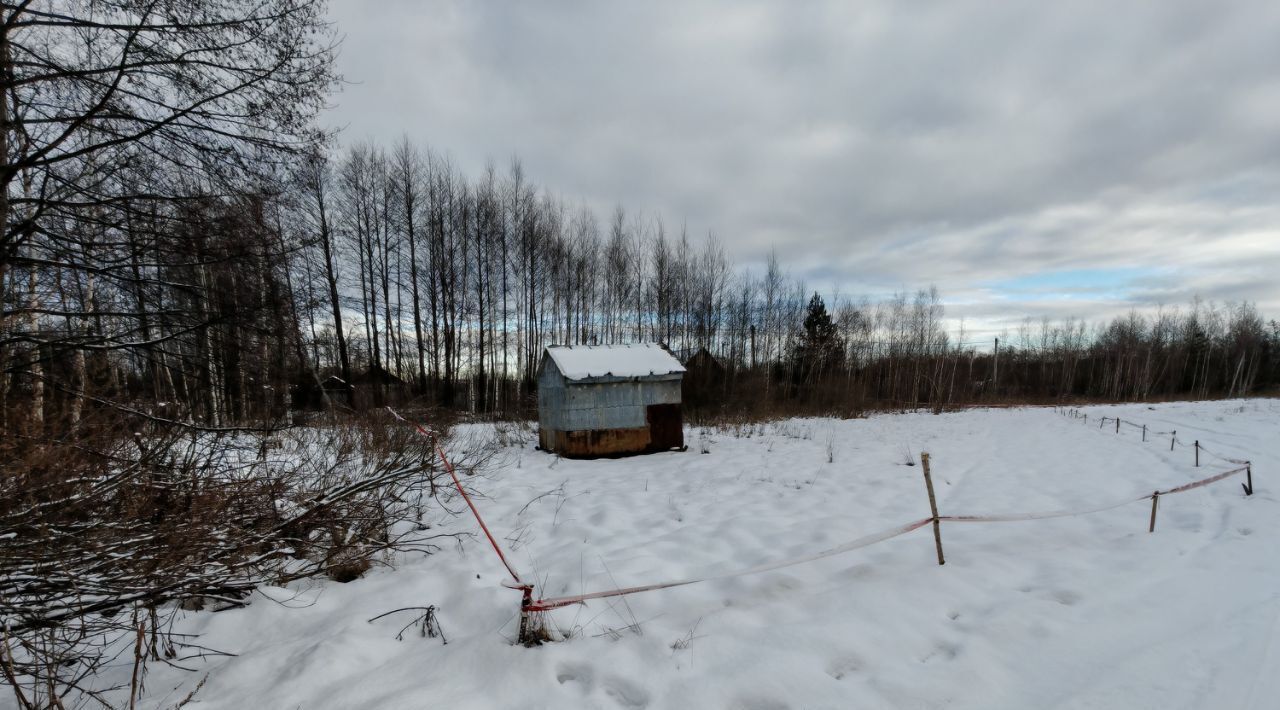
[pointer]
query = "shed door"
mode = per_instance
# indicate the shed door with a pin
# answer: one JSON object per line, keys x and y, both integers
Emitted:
{"x": 665, "y": 426}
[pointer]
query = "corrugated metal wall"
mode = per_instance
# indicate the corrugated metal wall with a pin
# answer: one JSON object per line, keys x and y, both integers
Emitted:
{"x": 551, "y": 395}
{"x": 614, "y": 405}
{"x": 569, "y": 406}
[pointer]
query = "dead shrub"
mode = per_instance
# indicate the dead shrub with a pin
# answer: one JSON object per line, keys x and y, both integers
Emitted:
{"x": 137, "y": 517}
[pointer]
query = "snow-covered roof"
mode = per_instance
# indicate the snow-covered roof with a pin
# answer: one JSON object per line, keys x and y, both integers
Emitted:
{"x": 581, "y": 362}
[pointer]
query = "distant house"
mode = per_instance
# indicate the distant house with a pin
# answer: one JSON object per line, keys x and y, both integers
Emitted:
{"x": 704, "y": 379}
{"x": 609, "y": 400}
{"x": 376, "y": 387}
{"x": 336, "y": 390}
{"x": 376, "y": 376}
{"x": 372, "y": 387}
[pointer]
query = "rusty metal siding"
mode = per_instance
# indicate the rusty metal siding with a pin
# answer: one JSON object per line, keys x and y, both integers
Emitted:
{"x": 598, "y": 442}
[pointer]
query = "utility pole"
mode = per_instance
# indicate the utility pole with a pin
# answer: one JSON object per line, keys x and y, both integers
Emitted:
{"x": 995, "y": 370}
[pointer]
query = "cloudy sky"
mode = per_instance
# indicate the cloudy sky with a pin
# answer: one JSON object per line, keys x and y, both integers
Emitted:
{"x": 1062, "y": 159}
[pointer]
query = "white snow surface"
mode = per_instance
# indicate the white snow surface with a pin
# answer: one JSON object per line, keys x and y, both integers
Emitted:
{"x": 1076, "y": 612}
{"x": 637, "y": 360}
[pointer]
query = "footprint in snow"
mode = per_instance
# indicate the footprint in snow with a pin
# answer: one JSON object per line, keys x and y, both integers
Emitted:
{"x": 625, "y": 693}
{"x": 575, "y": 675}
{"x": 843, "y": 667}
{"x": 945, "y": 651}
{"x": 1066, "y": 597}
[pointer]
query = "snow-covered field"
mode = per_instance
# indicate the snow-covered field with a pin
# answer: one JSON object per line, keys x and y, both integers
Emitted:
{"x": 1077, "y": 612}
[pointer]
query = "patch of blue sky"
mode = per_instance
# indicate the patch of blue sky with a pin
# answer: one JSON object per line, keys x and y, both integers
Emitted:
{"x": 1066, "y": 284}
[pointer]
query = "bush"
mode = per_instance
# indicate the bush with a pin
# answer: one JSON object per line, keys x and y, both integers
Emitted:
{"x": 107, "y": 534}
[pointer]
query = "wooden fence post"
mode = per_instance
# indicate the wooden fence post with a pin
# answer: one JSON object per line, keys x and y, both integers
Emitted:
{"x": 933, "y": 506}
{"x": 524, "y": 638}
{"x": 1117, "y": 425}
{"x": 1155, "y": 500}
{"x": 1248, "y": 472}
{"x": 1197, "y": 453}
{"x": 1144, "y": 432}
{"x": 1173, "y": 439}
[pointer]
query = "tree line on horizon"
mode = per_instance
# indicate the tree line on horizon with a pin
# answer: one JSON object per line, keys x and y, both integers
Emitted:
{"x": 219, "y": 262}
{"x": 230, "y": 307}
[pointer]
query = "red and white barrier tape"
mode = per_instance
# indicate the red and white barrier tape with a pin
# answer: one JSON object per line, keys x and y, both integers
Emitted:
{"x": 1015, "y": 517}
{"x": 557, "y": 602}
{"x": 435, "y": 442}
{"x": 865, "y": 541}
{"x": 1203, "y": 481}
{"x": 1228, "y": 459}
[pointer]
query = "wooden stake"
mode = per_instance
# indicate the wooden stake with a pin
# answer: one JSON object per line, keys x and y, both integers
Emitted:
{"x": 527, "y": 601}
{"x": 933, "y": 507}
{"x": 1173, "y": 439}
{"x": 1197, "y": 453}
{"x": 1248, "y": 472}
{"x": 1144, "y": 432}
{"x": 1117, "y": 425}
{"x": 1155, "y": 499}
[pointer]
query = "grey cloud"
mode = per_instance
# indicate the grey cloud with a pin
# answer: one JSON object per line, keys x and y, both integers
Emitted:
{"x": 877, "y": 144}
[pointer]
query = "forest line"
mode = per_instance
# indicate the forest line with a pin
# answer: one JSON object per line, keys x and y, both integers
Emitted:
{"x": 391, "y": 267}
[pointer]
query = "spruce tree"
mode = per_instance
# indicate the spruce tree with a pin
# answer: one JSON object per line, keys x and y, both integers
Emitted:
{"x": 820, "y": 346}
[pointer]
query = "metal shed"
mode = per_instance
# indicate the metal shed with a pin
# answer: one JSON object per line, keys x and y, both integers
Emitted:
{"x": 609, "y": 400}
